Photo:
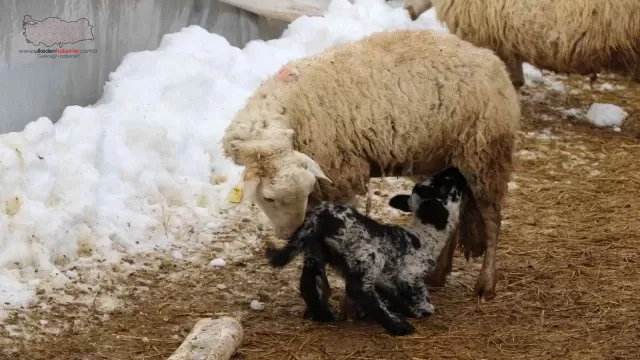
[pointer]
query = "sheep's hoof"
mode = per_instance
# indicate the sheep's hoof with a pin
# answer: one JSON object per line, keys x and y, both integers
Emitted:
{"x": 412, "y": 13}
{"x": 485, "y": 287}
{"x": 436, "y": 280}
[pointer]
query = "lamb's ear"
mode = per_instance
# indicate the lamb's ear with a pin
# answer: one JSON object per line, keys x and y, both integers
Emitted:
{"x": 400, "y": 202}
{"x": 433, "y": 212}
{"x": 309, "y": 164}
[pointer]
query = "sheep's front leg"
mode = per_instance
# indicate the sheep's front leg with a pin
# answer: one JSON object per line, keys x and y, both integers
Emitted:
{"x": 361, "y": 288}
{"x": 315, "y": 290}
{"x": 514, "y": 66}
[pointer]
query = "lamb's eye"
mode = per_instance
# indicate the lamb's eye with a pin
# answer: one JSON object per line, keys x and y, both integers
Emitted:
{"x": 268, "y": 199}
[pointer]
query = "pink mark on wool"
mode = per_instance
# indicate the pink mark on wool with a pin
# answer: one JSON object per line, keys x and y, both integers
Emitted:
{"x": 288, "y": 74}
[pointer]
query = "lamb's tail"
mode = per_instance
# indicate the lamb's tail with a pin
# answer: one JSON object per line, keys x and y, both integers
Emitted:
{"x": 297, "y": 243}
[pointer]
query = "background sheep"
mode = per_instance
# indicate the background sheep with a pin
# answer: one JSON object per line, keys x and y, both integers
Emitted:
{"x": 378, "y": 261}
{"x": 565, "y": 36}
{"x": 408, "y": 102}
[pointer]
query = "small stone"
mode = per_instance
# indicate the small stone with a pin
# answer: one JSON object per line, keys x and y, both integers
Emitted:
{"x": 217, "y": 262}
{"x": 257, "y": 305}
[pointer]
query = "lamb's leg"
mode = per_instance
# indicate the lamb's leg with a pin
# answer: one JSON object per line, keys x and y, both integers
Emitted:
{"x": 367, "y": 205}
{"x": 486, "y": 283}
{"x": 389, "y": 299}
{"x": 314, "y": 288}
{"x": 362, "y": 290}
{"x": 398, "y": 300}
{"x": 348, "y": 310}
{"x": 444, "y": 264}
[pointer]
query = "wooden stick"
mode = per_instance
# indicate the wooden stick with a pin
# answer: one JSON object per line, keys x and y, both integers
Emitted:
{"x": 211, "y": 339}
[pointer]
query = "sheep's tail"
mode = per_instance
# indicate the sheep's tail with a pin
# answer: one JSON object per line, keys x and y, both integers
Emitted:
{"x": 306, "y": 234}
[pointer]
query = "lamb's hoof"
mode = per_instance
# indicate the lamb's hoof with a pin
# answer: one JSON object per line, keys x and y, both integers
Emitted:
{"x": 322, "y": 316}
{"x": 359, "y": 313}
{"x": 307, "y": 314}
{"x": 401, "y": 328}
{"x": 485, "y": 288}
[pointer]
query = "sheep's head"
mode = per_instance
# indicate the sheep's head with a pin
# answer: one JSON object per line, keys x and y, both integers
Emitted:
{"x": 416, "y": 7}
{"x": 279, "y": 181}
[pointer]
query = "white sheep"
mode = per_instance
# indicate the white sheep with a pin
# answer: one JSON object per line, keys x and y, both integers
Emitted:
{"x": 583, "y": 37}
{"x": 395, "y": 103}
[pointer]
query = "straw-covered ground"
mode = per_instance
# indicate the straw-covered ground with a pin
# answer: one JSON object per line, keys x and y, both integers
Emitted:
{"x": 568, "y": 260}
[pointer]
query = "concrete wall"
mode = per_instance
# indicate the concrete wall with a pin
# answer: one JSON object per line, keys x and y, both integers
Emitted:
{"x": 31, "y": 87}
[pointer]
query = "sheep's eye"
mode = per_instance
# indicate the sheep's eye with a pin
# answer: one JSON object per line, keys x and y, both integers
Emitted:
{"x": 268, "y": 199}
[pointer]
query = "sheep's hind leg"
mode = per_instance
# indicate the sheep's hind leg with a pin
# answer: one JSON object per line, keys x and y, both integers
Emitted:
{"x": 362, "y": 290}
{"x": 315, "y": 290}
{"x": 486, "y": 284}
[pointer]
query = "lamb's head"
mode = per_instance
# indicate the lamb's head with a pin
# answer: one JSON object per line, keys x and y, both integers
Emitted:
{"x": 279, "y": 182}
{"x": 416, "y": 7}
{"x": 435, "y": 201}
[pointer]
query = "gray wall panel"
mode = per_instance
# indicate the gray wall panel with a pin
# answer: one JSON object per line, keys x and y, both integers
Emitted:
{"x": 31, "y": 87}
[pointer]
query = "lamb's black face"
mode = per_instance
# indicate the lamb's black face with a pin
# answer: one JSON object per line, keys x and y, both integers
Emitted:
{"x": 447, "y": 185}
{"x": 431, "y": 199}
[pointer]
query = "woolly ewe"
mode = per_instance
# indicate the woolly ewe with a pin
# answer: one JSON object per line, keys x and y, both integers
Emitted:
{"x": 396, "y": 103}
{"x": 565, "y": 36}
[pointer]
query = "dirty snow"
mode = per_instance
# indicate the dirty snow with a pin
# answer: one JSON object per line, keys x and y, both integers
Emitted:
{"x": 606, "y": 115}
{"x": 142, "y": 169}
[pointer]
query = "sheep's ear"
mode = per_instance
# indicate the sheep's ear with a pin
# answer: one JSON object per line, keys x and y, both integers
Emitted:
{"x": 400, "y": 202}
{"x": 244, "y": 191}
{"x": 309, "y": 164}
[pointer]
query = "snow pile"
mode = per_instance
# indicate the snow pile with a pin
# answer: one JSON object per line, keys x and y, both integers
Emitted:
{"x": 135, "y": 171}
{"x": 606, "y": 115}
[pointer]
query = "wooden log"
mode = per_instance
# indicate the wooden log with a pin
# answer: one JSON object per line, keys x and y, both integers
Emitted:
{"x": 284, "y": 10}
{"x": 211, "y": 339}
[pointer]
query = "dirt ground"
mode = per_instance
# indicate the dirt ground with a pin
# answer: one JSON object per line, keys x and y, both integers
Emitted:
{"x": 569, "y": 270}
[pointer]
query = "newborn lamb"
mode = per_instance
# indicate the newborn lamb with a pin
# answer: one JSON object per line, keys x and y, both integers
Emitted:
{"x": 381, "y": 263}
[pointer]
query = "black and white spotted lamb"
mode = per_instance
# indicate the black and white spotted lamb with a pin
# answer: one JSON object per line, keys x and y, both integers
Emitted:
{"x": 384, "y": 265}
